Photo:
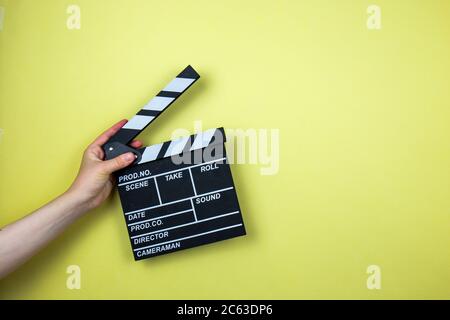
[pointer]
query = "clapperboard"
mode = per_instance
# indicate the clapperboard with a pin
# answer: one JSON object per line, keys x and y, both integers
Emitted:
{"x": 178, "y": 194}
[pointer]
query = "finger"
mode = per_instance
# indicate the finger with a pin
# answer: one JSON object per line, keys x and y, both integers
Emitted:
{"x": 136, "y": 144}
{"x": 105, "y": 136}
{"x": 118, "y": 163}
{"x": 97, "y": 152}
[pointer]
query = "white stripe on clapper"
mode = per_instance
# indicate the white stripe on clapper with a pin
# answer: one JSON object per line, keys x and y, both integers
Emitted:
{"x": 176, "y": 146}
{"x": 138, "y": 122}
{"x": 202, "y": 139}
{"x": 158, "y": 103}
{"x": 150, "y": 153}
{"x": 178, "y": 84}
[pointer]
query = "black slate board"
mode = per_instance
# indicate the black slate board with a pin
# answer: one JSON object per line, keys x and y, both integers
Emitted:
{"x": 170, "y": 207}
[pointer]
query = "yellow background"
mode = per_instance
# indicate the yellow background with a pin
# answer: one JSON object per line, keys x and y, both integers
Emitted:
{"x": 364, "y": 141}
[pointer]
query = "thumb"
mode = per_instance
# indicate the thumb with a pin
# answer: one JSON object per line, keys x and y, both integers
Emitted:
{"x": 118, "y": 163}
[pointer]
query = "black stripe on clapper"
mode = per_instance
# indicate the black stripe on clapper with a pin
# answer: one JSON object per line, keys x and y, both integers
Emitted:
{"x": 219, "y": 136}
{"x": 188, "y": 146}
{"x": 169, "y": 94}
{"x": 145, "y": 112}
{"x": 125, "y": 135}
{"x": 163, "y": 149}
{"x": 189, "y": 143}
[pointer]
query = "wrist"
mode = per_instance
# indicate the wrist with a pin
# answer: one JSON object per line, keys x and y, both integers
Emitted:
{"x": 75, "y": 201}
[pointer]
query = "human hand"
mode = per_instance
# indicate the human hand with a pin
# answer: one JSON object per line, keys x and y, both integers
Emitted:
{"x": 94, "y": 181}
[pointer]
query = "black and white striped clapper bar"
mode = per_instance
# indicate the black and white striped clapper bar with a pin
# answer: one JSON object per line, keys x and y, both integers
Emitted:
{"x": 178, "y": 194}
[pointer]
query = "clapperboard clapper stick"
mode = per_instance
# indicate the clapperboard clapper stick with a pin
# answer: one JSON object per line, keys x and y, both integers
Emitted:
{"x": 178, "y": 194}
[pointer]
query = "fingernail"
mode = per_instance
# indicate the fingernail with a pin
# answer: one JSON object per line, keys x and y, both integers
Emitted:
{"x": 129, "y": 156}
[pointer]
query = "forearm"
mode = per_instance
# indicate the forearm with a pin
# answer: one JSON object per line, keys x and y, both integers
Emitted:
{"x": 20, "y": 240}
{"x": 24, "y": 238}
